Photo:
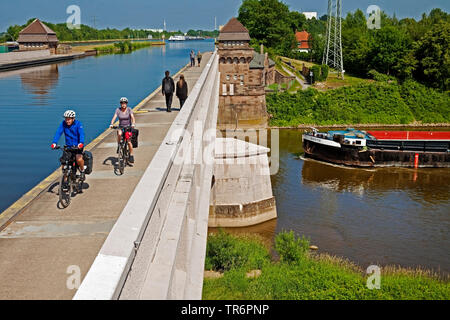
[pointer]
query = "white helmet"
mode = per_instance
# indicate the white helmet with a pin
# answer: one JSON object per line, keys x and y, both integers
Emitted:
{"x": 69, "y": 114}
{"x": 123, "y": 99}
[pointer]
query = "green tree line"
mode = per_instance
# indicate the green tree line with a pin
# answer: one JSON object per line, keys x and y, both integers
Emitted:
{"x": 88, "y": 33}
{"x": 203, "y": 33}
{"x": 403, "y": 48}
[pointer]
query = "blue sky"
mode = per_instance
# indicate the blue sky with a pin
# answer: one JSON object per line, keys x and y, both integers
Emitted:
{"x": 181, "y": 14}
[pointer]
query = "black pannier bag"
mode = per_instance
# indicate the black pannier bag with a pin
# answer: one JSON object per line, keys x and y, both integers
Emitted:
{"x": 88, "y": 162}
{"x": 134, "y": 138}
{"x": 66, "y": 157}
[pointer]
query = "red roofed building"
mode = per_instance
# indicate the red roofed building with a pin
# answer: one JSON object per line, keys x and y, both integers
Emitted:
{"x": 303, "y": 41}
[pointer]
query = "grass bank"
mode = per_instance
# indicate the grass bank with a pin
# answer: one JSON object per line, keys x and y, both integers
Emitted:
{"x": 122, "y": 47}
{"x": 332, "y": 82}
{"x": 379, "y": 102}
{"x": 299, "y": 274}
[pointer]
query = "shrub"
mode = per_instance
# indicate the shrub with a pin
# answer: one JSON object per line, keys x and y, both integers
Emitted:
{"x": 324, "y": 70}
{"x": 375, "y": 75}
{"x": 378, "y": 102}
{"x": 304, "y": 56}
{"x": 316, "y": 73}
{"x": 290, "y": 248}
{"x": 225, "y": 252}
{"x": 427, "y": 105}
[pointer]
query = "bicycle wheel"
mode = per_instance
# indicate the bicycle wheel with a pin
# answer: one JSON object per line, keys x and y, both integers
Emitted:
{"x": 121, "y": 159}
{"x": 126, "y": 154}
{"x": 65, "y": 193}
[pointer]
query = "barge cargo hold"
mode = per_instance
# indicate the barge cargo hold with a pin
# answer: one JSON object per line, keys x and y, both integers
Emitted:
{"x": 379, "y": 148}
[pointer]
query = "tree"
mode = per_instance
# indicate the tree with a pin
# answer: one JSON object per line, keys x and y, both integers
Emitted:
{"x": 297, "y": 21}
{"x": 433, "y": 57}
{"x": 13, "y": 31}
{"x": 355, "y": 20}
{"x": 317, "y": 45}
{"x": 387, "y": 47}
{"x": 269, "y": 22}
{"x": 356, "y": 43}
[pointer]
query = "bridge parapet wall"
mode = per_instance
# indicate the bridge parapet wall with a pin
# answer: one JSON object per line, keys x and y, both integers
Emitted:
{"x": 169, "y": 206}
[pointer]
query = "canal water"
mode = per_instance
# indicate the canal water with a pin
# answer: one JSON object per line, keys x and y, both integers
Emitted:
{"x": 33, "y": 100}
{"x": 387, "y": 216}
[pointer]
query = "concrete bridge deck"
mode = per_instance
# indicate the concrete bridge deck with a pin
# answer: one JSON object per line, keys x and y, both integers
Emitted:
{"x": 42, "y": 242}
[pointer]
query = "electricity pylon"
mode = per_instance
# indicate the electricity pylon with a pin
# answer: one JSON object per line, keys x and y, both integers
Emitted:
{"x": 332, "y": 55}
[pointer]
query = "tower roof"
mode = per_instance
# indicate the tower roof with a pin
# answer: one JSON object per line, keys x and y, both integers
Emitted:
{"x": 234, "y": 30}
{"x": 234, "y": 26}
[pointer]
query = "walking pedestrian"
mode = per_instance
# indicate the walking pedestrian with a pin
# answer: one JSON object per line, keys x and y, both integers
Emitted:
{"x": 182, "y": 90}
{"x": 168, "y": 88}
{"x": 192, "y": 58}
{"x": 199, "y": 58}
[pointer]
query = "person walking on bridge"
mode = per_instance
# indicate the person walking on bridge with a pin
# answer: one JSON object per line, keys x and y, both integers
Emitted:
{"x": 126, "y": 119}
{"x": 182, "y": 90}
{"x": 168, "y": 88}
{"x": 199, "y": 58}
{"x": 192, "y": 55}
{"x": 74, "y": 133}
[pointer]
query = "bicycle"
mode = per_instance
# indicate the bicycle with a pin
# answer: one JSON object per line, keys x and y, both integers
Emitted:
{"x": 123, "y": 149}
{"x": 70, "y": 181}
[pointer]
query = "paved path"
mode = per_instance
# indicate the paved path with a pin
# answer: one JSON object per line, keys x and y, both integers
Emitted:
{"x": 302, "y": 82}
{"x": 24, "y": 63}
{"x": 39, "y": 246}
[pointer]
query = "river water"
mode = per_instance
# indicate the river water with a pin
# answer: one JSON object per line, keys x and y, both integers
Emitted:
{"x": 387, "y": 216}
{"x": 33, "y": 100}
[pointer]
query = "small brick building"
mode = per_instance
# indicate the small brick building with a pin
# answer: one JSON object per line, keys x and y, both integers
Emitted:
{"x": 244, "y": 74}
{"x": 37, "y": 36}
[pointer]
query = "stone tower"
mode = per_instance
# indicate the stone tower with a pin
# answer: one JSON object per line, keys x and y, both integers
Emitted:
{"x": 244, "y": 74}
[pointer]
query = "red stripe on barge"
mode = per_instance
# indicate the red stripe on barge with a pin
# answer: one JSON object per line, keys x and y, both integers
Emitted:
{"x": 411, "y": 135}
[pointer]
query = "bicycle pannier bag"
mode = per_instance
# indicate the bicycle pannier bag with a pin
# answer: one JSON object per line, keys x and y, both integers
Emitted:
{"x": 134, "y": 138}
{"x": 88, "y": 162}
{"x": 66, "y": 156}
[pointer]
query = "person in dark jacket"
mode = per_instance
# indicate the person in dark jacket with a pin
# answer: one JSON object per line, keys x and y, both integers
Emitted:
{"x": 199, "y": 58}
{"x": 182, "y": 90}
{"x": 168, "y": 88}
{"x": 192, "y": 56}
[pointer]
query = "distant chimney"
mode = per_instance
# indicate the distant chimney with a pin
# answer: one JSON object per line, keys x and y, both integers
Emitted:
{"x": 262, "y": 48}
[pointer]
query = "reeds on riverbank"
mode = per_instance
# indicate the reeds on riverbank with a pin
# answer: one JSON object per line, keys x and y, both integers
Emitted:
{"x": 300, "y": 274}
{"x": 122, "y": 47}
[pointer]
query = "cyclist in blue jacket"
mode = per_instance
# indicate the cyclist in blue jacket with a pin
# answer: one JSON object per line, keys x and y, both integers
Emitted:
{"x": 74, "y": 134}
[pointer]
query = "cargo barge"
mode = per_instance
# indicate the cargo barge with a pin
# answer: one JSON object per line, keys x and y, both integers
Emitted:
{"x": 411, "y": 149}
